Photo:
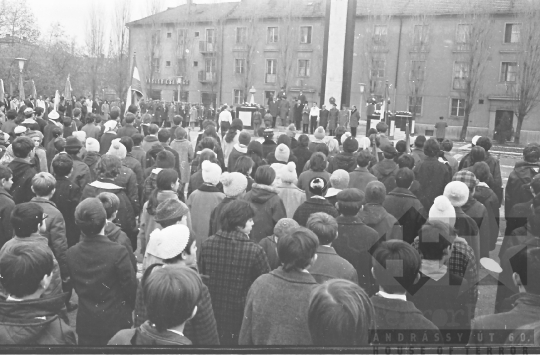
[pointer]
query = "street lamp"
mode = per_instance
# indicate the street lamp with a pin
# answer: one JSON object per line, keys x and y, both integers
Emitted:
{"x": 252, "y": 91}
{"x": 21, "y": 63}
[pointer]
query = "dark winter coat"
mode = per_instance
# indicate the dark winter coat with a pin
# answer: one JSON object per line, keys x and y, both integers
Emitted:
{"x": 269, "y": 209}
{"x": 106, "y": 140}
{"x": 433, "y": 177}
{"x": 115, "y": 234}
{"x": 237, "y": 152}
{"x": 23, "y": 172}
{"x": 376, "y": 217}
{"x": 270, "y": 248}
{"x": 6, "y": 206}
{"x": 407, "y": 209}
{"x": 466, "y": 228}
{"x": 147, "y": 335}
{"x": 385, "y": 171}
{"x": 126, "y": 179}
{"x": 329, "y": 265}
{"x": 517, "y": 187}
{"x": 487, "y": 227}
{"x": 215, "y": 216}
{"x": 135, "y": 166}
{"x": 105, "y": 282}
{"x": 127, "y": 131}
{"x": 360, "y": 177}
{"x": 35, "y": 322}
{"x": 139, "y": 154}
{"x": 303, "y": 155}
{"x": 268, "y": 146}
{"x": 80, "y": 174}
{"x": 66, "y": 198}
{"x": 487, "y": 197}
{"x": 344, "y": 160}
{"x": 313, "y": 205}
{"x": 91, "y": 159}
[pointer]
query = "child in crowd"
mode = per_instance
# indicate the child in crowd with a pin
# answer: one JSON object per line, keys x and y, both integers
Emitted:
{"x": 22, "y": 169}
{"x": 103, "y": 277}
{"x": 245, "y": 165}
{"x": 283, "y": 227}
{"x": 137, "y": 151}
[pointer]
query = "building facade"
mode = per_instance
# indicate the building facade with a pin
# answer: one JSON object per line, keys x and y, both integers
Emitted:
{"x": 417, "y": 53}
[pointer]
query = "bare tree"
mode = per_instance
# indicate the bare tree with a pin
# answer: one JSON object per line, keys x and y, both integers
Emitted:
{"x": 95, "y": 44}
{"x": 118, "y": 48}
{"x": 248, "y": 37}
{"x": 152, "y": 41}
{"x": 473, "y": 40}
{"x": 526, "y": 90}
{"x": 287, "y": 43}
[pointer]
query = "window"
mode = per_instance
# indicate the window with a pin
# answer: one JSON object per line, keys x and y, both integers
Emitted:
{"x": 420, "y": 39}
{"x": 169, "y": 35}
{"x": 168, "y": 63}
{"x": 508, "y": 72}
{"x": 304, "y": 67}
{"x": 458, "y": 108}
{"x": 241, "y": 35}
{"x": 463, "y": 33}
{"x": 238, "y": 96}
{"x": 182, "y": 36}
{"x": 210, "y": 35}
{"x": 377, "y": 68}
{"x": 305, "y": 34}
{"x": 197, "y": 34}
{"x": 379, "y": 33}
{"x": 195, "y": 63}
{"x": 512, "y": 32}
{"x": 156, "y": 37}
{"x": 271, "y": 69}
{"x": 210, "y": 65}
{"x": 415, "y": 106}
{"x": 155, "y": 65}
{"x": 418, "y": 70}
{"x": 461, "y": 73}
{"x": 272, "y": 35}
{"x": 239, "y": 66}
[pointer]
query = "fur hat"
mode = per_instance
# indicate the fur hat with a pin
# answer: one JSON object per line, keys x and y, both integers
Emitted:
{"x": 319, "y": 133}
{"x": 442, "y": 210}
{"x": 339, "y": 179}
{"x": 350, "y": 145}
{"x": 291, "y": 131}
{"x": 288, "y": 173}
{"x": 210, "y": 172}
{"x": 117, "y": 149}
{"x": 169, "y": 209}
{"x": 234, "y": 184}
{"x": 457, "y": 192}
{"x": 169, "y": 242}
{"x": 244, "y": 138}
{"x": 81, "y": 136}
{"x": 92, "y": 145}
{"x": 282, "y": 153}
{"x": 318, "y": 186}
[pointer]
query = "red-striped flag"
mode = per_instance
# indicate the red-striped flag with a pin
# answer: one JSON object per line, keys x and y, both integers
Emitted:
{"x": 136, "y": 86}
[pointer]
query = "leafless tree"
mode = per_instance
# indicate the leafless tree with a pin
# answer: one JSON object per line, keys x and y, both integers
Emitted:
{"x": 247, "y": 39}
{"x": 118, "y": 48}
{"x": 95, "y": 44}
{"x": 288, "y": 43}
{"x": 473, "y": 40}
{"x": 526, "y": 90}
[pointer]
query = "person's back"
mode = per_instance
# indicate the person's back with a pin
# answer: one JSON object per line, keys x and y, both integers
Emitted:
{"x": 375, "y": 216}
{"x": 360, "y": 177}
{"x": 185, "y": 152}
{"x": 386, "y": 170}
{"x": 317, "y": 187}
{"x": 6, "y": 205}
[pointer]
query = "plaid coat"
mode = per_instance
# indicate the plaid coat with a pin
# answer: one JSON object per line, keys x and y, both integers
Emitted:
{"x": 232, "y": 262}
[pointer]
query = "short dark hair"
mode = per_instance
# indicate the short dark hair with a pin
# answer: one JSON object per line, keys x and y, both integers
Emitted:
{"x": 404, "y": 178}
{"x": 243, "y": 164}
{"x": 62, "y": 165}
{"x": 526, "y": 263}
{"x": 207, "y": 142}
{"x": 130, "y": 117}
{"x": 164, "y": 135}
{"x": 447, "y": 145}
{"x": 322, "y": 148}
{"x": 23, "y": 226}
{"x": 76, "y": 112}
{"x": 56, "y": 132}
{"x": 295, "y": 250}
{"x": 23, "y": 267}
{"x": 481, "y": 171}
{"x": 5, "y": 172}
{"x": 478, "y": 154}
{"x": 303, "y": 141}
{"x": 39, "y": 111}
{"x": 420, "y": 141}
{"x": 265, "y": 175}
{"x": 364, "y": 158}
{"x": 127, "y": 142}
{"x": 153, "y": 129}
{"x": 340, "y": 314}
{"x": 324, "y": 226}
{"x": 90, "y": 118}
{"x": 401, "y": 146}
{"x": 170, "y": 295}
{"x": 484, "y": 142}
{"x": 317, "y": 162}
{"x": 406, "y": 161}
{"x": 132, "y": 109}
{"x": 11, "y": 114}
{"x": 22, "y": 146}
{"x": 396, "y": 265}
{"x": 431, "y": 247}
{"x": 431, "y": 147}
{"x": 235, "y": 214}
{"x": 137, "y": 139}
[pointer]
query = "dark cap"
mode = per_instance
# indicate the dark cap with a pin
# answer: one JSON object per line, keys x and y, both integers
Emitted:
{"x": 73, "y": 144}
{"x": 351, "y": 195}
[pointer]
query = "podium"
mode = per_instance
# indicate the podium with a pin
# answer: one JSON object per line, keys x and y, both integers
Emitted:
{"x": 245, "y": 113}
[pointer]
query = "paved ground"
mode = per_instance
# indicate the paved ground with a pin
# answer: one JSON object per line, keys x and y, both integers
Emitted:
{"x": 486, "y": 297}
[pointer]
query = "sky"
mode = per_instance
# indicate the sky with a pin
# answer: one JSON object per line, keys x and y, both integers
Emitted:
{"x": 72, "y": 14}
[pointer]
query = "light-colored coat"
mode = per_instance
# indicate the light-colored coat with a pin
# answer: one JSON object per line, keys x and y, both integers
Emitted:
{"x": 291, "y": 196}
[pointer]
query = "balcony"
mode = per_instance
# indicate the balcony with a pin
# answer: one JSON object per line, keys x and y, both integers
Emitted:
{"x": 270, "y": 78}
{"x": 420, "y": 47}
{"x": 207, "y": 47}
{"x": 462, "y": 47}
{"x": 207, "y": 77}
{"x": 505, "y": 91}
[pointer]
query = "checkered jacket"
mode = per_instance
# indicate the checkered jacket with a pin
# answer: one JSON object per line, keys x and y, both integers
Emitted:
{"x": 463, "y": 263}
{"x": 231, "y": 262}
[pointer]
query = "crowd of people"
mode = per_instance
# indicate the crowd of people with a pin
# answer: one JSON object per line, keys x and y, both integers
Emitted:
{"x": 251, "y": 239}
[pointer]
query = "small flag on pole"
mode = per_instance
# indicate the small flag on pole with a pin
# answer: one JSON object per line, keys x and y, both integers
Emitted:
{"x": 136, "y": 86}
{"x": 22, "y": 96}
{"x": 128, "y": 99}
{"x": 68, "y": 89}
{"x": 2, "y": 94}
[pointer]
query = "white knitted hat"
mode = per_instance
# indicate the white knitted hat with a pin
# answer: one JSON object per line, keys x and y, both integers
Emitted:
{"x": 234, "y": 184}
{"x": 442, "y": 210}
{"x": 457, "y": 192}
{"x": 211, "y": 172}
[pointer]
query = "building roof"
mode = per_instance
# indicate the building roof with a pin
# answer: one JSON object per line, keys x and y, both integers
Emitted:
{"x": 279, "y": 8}
{"x": 437, "y": 7}
{"x": 189, "y": 12}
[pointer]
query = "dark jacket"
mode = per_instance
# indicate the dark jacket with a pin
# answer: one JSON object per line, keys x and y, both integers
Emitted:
{"x": 360, "y": 177}
{"x": 80, "y": 174}
{"x": 66, "y": 198}
{"x": 47, "y": 132}
{"x": 344, "y": 160}
{"x": 268, "y": 146}
{"x": 487, "y": 197}
{"x": 6, "y": 206}
{"x": 91, "y": 159}
{"x": 135, "y": 166}
{"x": 147, "y": 335}
{"x": 487, "y": 227}
{"x": 517, "y": 187}
{"x": 215, "y": 216}
{"x": 127, "y": 131}
{"x": 139, "y": 154}
{"x": 270, "y": 248}
{"x": 466, "y": 228}
{"x": 23, "y": 172}
{"x": 433, "y": 177}
{"x": 277, "y": 309}
{"x": 35, "y": 322}
{"x": 127, "y": 180}
{"x": 407, "y": 209}
{"x": 115, "y": 234}
{"x": 269, "y": 209}
{"x": 313, "y": 205}
{"x": 105, "y": 281}
{"x": 354, "y": 243}
{"x": 385, "y": 171}
{"x": 233, "y": 157}
{"x": 105, "y": 141}
{"x": 329, "y": 266}
{"x": 303, "y": 155}
{"x": 376, "y": 217}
